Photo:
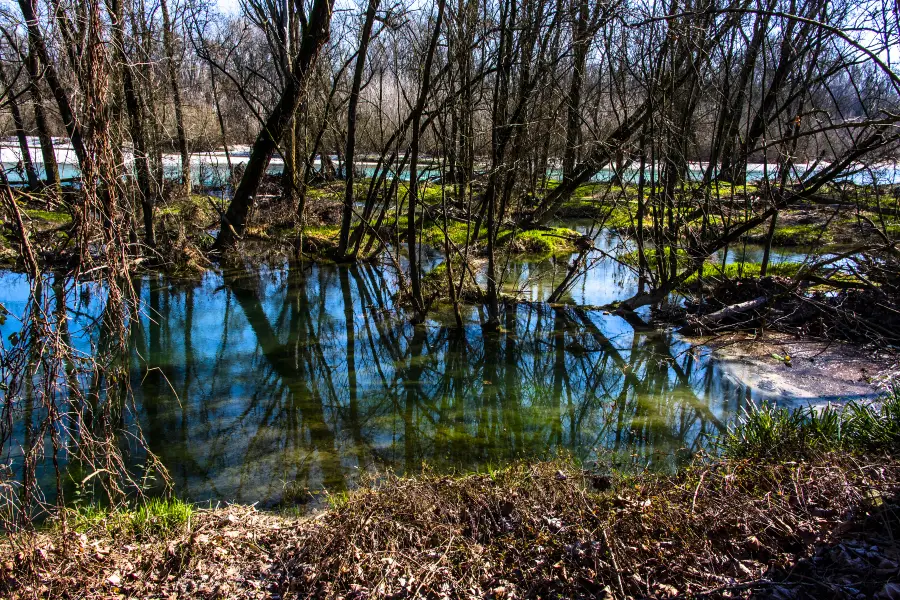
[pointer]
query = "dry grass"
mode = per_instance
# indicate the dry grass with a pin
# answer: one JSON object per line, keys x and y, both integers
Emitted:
{"x": 540, "y": 530}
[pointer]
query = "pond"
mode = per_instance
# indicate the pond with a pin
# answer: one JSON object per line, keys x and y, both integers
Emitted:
{"x": 271, "y": 384}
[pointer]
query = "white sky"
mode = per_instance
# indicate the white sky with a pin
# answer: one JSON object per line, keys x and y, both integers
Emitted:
{"x": 227, "y": 6}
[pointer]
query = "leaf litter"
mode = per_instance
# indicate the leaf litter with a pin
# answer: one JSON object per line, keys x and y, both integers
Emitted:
{"x": 725, "y": 529}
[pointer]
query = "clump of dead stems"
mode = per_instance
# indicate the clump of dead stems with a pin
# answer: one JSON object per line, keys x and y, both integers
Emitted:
{"x": 66, "y": 399}
{"x": 856, "y": 303}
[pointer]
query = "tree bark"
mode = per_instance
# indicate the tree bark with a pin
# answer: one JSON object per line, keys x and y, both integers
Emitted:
{"x": 31, "y": 177}
{"x": 169, "y": 43}
{"x": 51, "y": 168}
{"x": 317, "y": 32}
{"x": 573, "y": 121}
{"x": 136, "y": 123}
{"x": 412, "y": 201}
{"x": 38, "y": 50}
{"x": 349, "y": 196}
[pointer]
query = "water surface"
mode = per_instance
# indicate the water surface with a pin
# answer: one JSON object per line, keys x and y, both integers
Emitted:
{"x": 267, "y": 385}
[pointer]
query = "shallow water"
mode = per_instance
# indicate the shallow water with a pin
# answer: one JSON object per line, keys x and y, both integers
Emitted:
{"x": 268, "y": 385}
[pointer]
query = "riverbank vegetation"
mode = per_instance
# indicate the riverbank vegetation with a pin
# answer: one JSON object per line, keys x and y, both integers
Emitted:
{"x": 800, "y": 503}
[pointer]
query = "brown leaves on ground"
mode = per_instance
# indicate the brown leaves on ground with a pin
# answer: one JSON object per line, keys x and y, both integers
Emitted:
{"x": 729, "y": 530}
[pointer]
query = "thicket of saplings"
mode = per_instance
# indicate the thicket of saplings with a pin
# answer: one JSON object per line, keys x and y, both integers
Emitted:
{"x": 476, "y": 123}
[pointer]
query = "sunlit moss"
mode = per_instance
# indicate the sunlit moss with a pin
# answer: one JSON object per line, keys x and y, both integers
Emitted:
{"x": 800, "y": 235}
{"x": 744, "y": 270}
{"x": 322, "y": 231}
{"x": 457, "y": 231}
{"x": 49, "y": 216}
{"x": 552, "y": 240}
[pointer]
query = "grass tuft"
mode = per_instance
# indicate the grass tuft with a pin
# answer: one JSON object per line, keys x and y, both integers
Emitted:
{"x": 159, "y": 516}
{"x": 776, "y": 433}
{"x": 154, "y": 517}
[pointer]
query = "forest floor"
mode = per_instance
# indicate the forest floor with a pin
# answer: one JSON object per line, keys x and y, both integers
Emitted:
{"x": 186, "y": 225}
{"x": 823, "y": 528}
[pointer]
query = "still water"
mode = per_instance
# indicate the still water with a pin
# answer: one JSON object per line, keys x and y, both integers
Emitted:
{"x": 270, "y": 384}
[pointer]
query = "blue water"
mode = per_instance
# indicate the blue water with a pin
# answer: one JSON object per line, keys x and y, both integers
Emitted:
{"x": 269, "y": 385}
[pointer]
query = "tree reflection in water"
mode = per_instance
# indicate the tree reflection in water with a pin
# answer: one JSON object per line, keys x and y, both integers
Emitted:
{"x": 301, "y": 379}
{"x": 263, "y": 385}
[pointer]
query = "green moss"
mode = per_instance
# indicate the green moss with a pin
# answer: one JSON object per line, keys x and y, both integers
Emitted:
{"x": 800, "y": 235}
{"x": 323, "y": 231}
{"x": 321, "y": 240}
{"x": 724, "y": 189}
{"x": 457, "y": 231}
{"x": 553, "y": 240}
{"x": 746, "y": 270}
{"x": 428, "y": 193}
{"x": 792, "y": 235}
{"x": 49, "y": 216}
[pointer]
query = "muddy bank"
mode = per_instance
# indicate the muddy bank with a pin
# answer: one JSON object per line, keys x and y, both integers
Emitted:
{"x": 793, "y": 371}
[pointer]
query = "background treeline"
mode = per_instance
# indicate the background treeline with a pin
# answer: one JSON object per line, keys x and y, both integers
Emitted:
{"x": 579, "y": 69}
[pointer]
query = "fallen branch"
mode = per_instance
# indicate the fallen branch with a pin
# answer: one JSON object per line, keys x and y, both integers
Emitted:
{"x": 707, "y": 321}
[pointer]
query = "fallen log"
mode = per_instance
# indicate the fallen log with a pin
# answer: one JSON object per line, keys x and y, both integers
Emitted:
{"x": 734, "y": 309}
{"x": 698, "y": 324}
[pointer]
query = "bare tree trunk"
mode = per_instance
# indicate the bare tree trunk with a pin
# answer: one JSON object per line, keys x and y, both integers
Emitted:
{"x": 169, "y": 43}
{"x": 222, "y": 130}
{"x": 411, "y": 229}
{"x": 51, "y": 168}
{"x": 136, "y": 122}
{"x": 349, "y": 196}
{"x": 289, "y": 174}
{"x": 39, "y": 50}
{"x": 31, "y": 177}
{"x": 573, "y": 120}
{"x": 317, "y": 32}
